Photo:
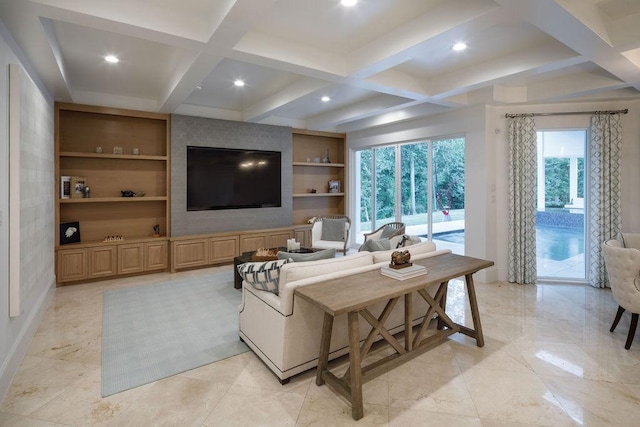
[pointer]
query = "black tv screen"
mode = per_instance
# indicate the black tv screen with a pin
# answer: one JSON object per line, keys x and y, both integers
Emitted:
{"x": 224, "y": 178}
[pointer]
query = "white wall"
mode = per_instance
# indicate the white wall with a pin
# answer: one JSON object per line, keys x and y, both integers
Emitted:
{"x": 487, "y": 168}
{"x": 37, "y": 285}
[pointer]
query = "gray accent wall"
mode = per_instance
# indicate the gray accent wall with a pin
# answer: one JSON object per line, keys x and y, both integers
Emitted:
{"x": 204, "y": 132}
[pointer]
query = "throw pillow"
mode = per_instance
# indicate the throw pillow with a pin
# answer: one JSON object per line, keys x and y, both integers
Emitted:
{"x": 313, "y": 256}
{"x": 333, "y": 229}
{"x": 404, "y": 240}
{"x": 264, "y": 276}
{"x": 387, "y": 232}
{"x": 375, "y": 245}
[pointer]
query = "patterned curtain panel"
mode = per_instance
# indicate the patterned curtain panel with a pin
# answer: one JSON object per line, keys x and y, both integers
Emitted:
{"x": 522, "y": 200}
{"x": 604, "y": 193}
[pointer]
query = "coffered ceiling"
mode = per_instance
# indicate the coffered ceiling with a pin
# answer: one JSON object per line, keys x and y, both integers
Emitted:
{"x": 379, "y": 61}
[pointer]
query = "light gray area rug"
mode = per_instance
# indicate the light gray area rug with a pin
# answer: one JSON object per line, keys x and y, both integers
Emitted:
{"x": 155, "y": 331}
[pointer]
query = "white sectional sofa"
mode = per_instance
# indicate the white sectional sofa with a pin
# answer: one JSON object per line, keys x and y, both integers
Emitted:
{"x": 284, "y": 330}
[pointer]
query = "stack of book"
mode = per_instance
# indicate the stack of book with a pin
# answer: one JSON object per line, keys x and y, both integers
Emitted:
{"x": 403, "y": 273}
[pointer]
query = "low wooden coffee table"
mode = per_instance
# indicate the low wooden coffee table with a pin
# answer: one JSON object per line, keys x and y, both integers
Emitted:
{"x": 354, "y": 294}
{"x": 246, "y": 257}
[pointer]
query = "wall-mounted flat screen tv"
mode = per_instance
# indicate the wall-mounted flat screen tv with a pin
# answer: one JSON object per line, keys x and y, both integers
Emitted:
{"x": 224, "y": 178}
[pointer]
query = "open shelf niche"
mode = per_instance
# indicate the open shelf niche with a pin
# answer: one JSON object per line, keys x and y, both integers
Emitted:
{"x": 114, "y": 150}
{"x": 311, "y": 172}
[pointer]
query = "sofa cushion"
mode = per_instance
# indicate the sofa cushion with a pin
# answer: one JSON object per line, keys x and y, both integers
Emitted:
{"x": 303, "y": 270}
{"x": 375, "y": 245}
{"x": 313, "y": 256}
{"x": 403, "y": 240}
{"x": 333, "y": 229}
{"x": 264, "y": 276}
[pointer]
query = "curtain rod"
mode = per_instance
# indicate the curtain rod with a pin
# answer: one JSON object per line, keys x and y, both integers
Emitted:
{"x": 571, "y": 113}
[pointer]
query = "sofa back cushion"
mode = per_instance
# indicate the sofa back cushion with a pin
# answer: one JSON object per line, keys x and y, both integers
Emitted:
{"x": 303, "y": 270}
{"x": 312, "y": 256}
{"x": 415, "y": 249}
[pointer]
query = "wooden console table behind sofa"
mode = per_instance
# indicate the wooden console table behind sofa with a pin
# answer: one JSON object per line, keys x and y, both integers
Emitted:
{"x": 353, "y": 294}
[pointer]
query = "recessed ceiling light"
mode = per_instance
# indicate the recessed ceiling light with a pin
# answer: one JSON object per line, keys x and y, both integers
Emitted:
{"x": 459, "y": 46}
{"x": 239, "y": 83}
{"x": 325, "y": 99}
{"x": 348, "y": 2}
{"x": 112, "y": 59}
{"x": 198, "y": 87}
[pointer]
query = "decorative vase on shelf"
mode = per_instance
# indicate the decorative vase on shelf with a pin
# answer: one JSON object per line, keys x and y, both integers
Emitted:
{"x": 326, "y": 157}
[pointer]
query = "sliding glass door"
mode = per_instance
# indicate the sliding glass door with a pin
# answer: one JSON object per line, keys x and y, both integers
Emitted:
{"x": 385, "y": 185}
{"x": 420, "y": 184}
{"x": 447, "y": 210}
{"x": 560, "y": 224}
{"x": 414, "y": 188}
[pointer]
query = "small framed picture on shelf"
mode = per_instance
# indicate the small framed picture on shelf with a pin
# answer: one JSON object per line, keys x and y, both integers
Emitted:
{"x": 65, "y": 187}
{"x": 78, "y": 184}
{"x": 69, "y": 232}
{"x": 334, "y": 186}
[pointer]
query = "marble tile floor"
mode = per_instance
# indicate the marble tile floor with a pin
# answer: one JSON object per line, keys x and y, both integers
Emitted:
{"x": 549, "y": 360}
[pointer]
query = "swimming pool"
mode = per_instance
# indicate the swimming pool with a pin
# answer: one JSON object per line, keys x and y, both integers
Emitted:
{"x": 559, "y": 243}
{"x": 552, "y": 243}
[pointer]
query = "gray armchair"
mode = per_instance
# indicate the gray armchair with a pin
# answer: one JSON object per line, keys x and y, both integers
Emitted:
{"x": 386, "y": 231}
{"x": 331, "y": 237}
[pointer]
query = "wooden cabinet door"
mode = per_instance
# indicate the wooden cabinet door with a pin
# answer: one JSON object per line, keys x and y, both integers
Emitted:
{"x": 190, "y": 253}
{"x": 252, "y": 242}
{"x": 72, "y": 265}
{"x": 155, "y": 255}
{"x": 279, "y": 239}
{"x": 102, "y": 261}
{"x": 222, "y": 249}
{"x": 130, "y": 258}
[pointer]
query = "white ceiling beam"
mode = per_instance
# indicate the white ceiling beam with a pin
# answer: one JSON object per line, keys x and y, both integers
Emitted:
{"x": 395, "y": 82}
{"x": 270, "y": 105}
{"x": 572, "y": 86}
{"x": 116, "y": 101}
{"x": 183, "y": 21}
{"x": 448, "y": 20}
{"x": 556, "y": 20}
{"x": 49, "y": 34}
{"x": 367, "y": 108}
{"x": 533, "y": 60}
{"x": 285, "y": 51}
{"x": 185, "y": 80}
{"x": 590, "y": 16}
{"x": 392, "y": 115}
